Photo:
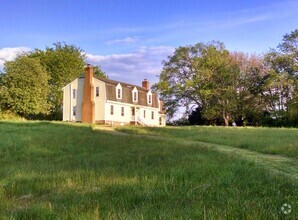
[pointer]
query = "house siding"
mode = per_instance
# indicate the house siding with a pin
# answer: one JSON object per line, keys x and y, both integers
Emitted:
{"x": 69, "y": 102}
{"x": 100, "y": 100}
{"x": 117, "y": 117}
{"x": 128, "y": 118}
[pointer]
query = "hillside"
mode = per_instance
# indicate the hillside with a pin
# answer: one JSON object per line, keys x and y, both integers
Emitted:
{"x": 58, "y": 170}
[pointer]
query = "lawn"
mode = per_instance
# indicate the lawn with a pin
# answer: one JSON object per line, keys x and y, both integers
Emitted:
{"x": 71, "y": 171}
{"x": 276, "y": 141}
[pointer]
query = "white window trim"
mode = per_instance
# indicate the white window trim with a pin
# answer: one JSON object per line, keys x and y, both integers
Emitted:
{"x": 119, "y": 87}
{"x": 149, "y": 94}
{"x": 135, "y": 90}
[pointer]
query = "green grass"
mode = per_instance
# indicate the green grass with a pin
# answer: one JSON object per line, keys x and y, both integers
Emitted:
{"x": 69, "y": 171}
{"x": 276, "y": 141}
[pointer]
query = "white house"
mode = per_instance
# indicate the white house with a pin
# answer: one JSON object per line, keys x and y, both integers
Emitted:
{"x": 91, "y": 99}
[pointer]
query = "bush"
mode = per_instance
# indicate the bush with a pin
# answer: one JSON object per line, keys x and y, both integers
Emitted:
{"x": 7, "y": 115}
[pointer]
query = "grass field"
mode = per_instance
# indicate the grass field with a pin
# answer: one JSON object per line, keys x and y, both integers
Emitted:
{"x": 71, "y": 171}
{"x": 277, "y": 141}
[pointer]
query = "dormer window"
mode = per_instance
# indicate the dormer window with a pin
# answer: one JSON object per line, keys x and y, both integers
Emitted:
{"x": 135, "y": 95}
{"x": 119, "y": 91}
{"x": 149, "y": 98}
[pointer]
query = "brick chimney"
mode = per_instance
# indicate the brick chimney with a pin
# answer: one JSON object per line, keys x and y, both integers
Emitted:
{"x": 88, "y": 114}
{"x": 145, "y": 84}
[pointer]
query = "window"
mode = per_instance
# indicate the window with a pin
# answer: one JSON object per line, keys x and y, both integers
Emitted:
{"x": 122, "y": 111}
{"x": 150, "y": 99}
{"x": 160, "y": 121}
{"x": 144, "y": 113}
{"x": 97, "y": 92}
{"x": 119, "y": 93}
{"x": 134, "y": 96}
{"x": 152, "y": 115}
{"x": 112, "y": 110}
{"x": 132, "y": 111}
{"x": 74, "y": 93}
{"x": 73, "y": 111}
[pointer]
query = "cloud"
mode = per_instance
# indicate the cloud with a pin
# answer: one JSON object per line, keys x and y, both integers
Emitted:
{"x": 127, "y": 40}
{"x": 10, "y": 53}
{"x": 133, "y": 67}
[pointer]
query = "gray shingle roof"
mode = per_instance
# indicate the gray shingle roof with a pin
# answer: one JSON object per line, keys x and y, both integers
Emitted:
{"x": 127, "y": 93}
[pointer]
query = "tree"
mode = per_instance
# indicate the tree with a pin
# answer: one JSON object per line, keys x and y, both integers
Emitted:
{"x": 282, "y": 64}
{"x": 289, "y": 46}
{"x": 97, "y": 71}
{"x": 24, "y": 87}
{"x": 251, "y": 86}
{"x": 175, "y": 85}
{"x": 63, "y": 64}
{"x": 196, "y": 117}
{"x": 203, "y": 75}
{"x": 289, "y": 50}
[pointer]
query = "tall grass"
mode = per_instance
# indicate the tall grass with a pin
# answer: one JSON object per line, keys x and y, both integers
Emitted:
{"x": 68, "y": 171}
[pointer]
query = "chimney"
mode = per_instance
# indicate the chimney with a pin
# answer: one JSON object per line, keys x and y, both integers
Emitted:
{"x": 88, "y": 114}
{"x": 145, "y": 84}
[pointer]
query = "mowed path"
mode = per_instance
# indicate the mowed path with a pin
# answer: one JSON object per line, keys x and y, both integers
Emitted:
{"x": 274, "y": 163}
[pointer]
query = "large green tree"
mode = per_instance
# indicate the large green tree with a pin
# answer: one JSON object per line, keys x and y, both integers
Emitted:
{"x": 24, "y": 87}
{"x": 202, "y": 75}
{"x": 251, "y": 88}
{"x": 282, "y": 64}
{"x": 289, "y": 50}
{"x": 63, "y": 64}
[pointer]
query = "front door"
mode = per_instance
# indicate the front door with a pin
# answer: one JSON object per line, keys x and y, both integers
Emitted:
{"x": 133, "y": 113}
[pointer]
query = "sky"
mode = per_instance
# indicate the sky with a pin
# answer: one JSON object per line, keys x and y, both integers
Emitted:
{"x": 129, "y": 39}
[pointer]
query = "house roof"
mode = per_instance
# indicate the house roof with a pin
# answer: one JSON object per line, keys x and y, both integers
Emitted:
{"x": 127, "y": 93}
{"x": 123, "y": 84}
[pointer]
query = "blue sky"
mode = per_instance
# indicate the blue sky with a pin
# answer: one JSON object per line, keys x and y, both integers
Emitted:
{"x": 129, "y": 39}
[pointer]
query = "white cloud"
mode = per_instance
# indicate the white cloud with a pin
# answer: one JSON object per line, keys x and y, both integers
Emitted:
{"x": 127, "y": 40}
{"x": 145, "y": 62}
{"x": 10, "y": 53}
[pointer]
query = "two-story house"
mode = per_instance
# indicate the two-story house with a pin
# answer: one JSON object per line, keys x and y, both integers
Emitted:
{"x": 91, "y": 99}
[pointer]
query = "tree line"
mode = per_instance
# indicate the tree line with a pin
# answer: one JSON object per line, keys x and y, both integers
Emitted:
{"x": 31, "y": 85}
{"x": 219, "y": 87}
{"x": 212, "y": 84}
